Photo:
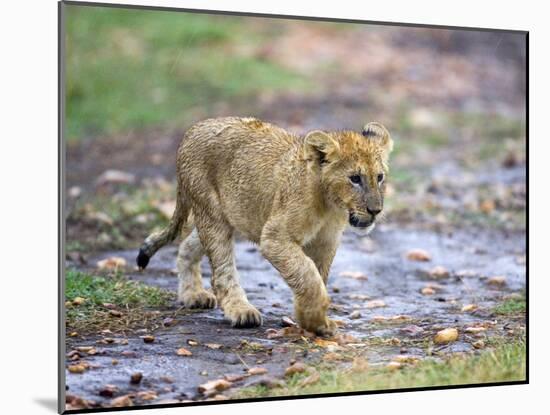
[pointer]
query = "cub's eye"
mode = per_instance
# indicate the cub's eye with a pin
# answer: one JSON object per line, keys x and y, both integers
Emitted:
{"x": 356, "y": 179}
{"x": 380, "y": 177}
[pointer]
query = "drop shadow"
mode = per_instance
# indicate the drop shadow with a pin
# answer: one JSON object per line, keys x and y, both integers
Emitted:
{"x": 47, "y": 403}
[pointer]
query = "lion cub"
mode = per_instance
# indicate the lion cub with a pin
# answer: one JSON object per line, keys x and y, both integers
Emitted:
{"x": 292, "y": 195}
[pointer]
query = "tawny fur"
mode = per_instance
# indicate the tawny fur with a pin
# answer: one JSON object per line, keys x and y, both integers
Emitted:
{"x": 291, "y": 195}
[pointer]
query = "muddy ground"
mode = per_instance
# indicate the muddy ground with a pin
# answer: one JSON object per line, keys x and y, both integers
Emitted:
{"x": 457, "y": 189}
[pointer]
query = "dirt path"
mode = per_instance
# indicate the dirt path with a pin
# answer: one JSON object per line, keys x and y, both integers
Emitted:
{"x": 470, "y": 256}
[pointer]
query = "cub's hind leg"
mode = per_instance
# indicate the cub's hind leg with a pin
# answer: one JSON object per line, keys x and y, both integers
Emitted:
{"x": 217, "y": 238}
{"x": 190, "y": 290}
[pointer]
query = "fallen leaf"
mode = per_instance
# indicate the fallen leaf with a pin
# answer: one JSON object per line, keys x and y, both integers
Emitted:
{"x": 332, "y": 357}
{"x": 361, "y": 297}
{"x": 438, "y": 272}
{"x": 121, "y": 401}
{"x": 257, "y": 371}
{"x": 394, "y": 365}
{"x": 148, "y": 339}
{"x": 78, "y": 301}
{"x": 480, "y": 344}
{"x": 474, "y": 330}
{"x": 375, "y": 304}
{"x": 356, "y": 275}
{"x": 287, "y": 322}
{"x": 234, "y": 377}
{"x": 498, "y": 281}
{"x": 183, "y": 352}
{"x": 136, "y": 378}
{"x": 469, "y": 307}
{"x": 297, "y": 367}
{"x": 487, "y": 206}
{"x": 220, "y": 397}
{"x": 324, "y": 343}
{"x": 112, "y": 263}
{"x": 214, "y": 385}
{"x": 213, "y": 346}
{"x": 115, "y": 177}
{"x": 412, "y": 330}
{"x": 115, "y": 313}
{"x": 76, "y": 368}
{"x": 405, "y": 359}
{"x": 147, "y": 395}
{"x": 418, "y": 255}
{"x": 446, "y": 336}
{"x": 311, "y": 379}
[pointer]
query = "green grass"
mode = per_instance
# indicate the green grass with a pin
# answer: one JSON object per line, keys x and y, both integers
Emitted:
{"x": 134, "y": 298}
{"x": 129, "y": 69}
{"x": 504, "y": 363}
{"x": 511, "y": 307}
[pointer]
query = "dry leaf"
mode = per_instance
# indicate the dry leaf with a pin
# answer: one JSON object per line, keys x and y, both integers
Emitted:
{"x": 394, "y": 365}
{"x": 332, "y": 357}
{"x": 375, "y": 304}
{"x": 480, "y": 344}
{"x": 121, "y": 401}
{"x": 469, "y": 307}
{"x": 183, "y": 352}
{"x": 76, "y": 368}
{"x": 214, "y": 385}
{"x": 446, "y": 336}
{"x": 297, "y": 367}
{"x": 324, "y": 343}
{"x": 475, "y": 330}
{"x": 213, "y": 346}
{"x": 234, "y": 377}
{"x": 257, "y": 371}
{"x": 148, "y": 339}
{"x": 112, "y": 263}
{"x": 438, "y": 272}
{"x": 147, "y": 395}
{"x": 311, "y": 379}
{"x": 498, "y": 281}
{"x": 418, "y": 255}
{"x": 287, "y": 322}
{"x": 78, "y": 301}
{"x": 356, "y": 275}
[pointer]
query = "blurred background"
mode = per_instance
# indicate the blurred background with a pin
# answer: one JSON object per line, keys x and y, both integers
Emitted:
{"x": 454, "y": 101}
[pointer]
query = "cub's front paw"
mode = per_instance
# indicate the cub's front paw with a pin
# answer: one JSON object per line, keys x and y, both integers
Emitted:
{"x": 197, "y": 299}
{"x": 243, "y": 315}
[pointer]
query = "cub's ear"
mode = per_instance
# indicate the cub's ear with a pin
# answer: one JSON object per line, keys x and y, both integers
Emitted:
{"x": 376, "y": 131}
{"x": 322, "y": 144}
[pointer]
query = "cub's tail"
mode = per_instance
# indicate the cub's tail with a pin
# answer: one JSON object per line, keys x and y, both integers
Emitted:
{"x": 157, "y": 240}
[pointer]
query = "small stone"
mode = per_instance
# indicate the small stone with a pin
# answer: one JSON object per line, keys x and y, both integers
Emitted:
{"x": 375, "y": 304}
{"x": 427, "y": 291}
{"x": 355, "y": 315}
{"x": 78, "y": 301}
{"x": 439, "y": 272}
{"x": 469, "y": 308}
{"x": 76, "y": 368}
{"x": 183, "y": 352}
{"x": 136, "y": 378}
{"x": 108, "y": 391}
{"x": 498, "y": 281}
{"x": 480, "y": 344}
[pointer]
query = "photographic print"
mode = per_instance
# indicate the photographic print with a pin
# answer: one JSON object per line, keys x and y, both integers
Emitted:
{"x": 269, "y": 207}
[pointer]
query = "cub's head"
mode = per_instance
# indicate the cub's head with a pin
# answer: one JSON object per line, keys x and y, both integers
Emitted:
{"x": 353, "y": 168}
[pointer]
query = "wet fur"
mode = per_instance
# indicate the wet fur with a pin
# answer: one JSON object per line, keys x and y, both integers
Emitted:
{"x": 289, "y": 194}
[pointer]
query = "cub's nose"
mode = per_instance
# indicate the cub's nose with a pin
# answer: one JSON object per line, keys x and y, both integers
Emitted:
{"x": 374, "y": 212}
